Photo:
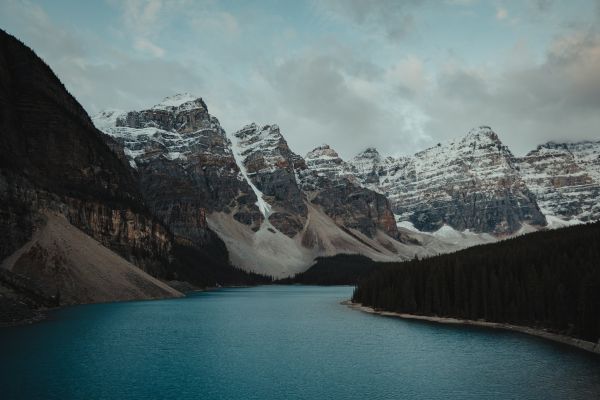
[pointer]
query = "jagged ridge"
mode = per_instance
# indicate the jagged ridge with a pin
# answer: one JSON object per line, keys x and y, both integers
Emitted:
{"x": 470, "y": 183}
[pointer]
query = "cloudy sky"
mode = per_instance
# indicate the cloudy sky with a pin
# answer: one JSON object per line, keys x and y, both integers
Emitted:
{"x": 397, "y": 75}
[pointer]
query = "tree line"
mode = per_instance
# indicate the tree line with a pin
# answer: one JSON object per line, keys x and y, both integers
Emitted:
{"x": 548, "y": 280}
{"x": 341, "y": 269}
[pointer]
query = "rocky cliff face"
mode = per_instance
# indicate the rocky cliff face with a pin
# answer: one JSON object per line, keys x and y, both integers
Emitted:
{"x": 185, "y": 164}
{"x": 565, "y": 177}
{"x": 333, "y": 186}
{"x": 126, "y": 229}
{"x": 270, "y": 165}
{"x": 470, "y": 183}
{"x": 325, "y": 163}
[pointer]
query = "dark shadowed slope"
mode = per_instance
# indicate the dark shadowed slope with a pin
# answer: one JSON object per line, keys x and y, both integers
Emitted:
{"x": 341, "y": 269}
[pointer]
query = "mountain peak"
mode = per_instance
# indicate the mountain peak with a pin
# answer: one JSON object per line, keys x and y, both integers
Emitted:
{"x": 368, "y": 153}
{"x": 549, "y": 148}
{"x": 323, "y": 151}
{"x": 178, "y": 100}
{"x": 482, "y": 133}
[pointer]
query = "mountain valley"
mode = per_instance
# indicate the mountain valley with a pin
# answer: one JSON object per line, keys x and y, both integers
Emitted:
{"x": 167, "y": 191}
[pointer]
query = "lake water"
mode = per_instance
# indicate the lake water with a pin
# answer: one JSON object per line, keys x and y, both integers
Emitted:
{"x": 278, "y": 342}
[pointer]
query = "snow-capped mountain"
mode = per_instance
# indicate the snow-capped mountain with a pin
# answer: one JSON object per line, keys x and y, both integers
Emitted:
{"x": 250, "y": 190}
{"x": 565, "y": 178}
{"x": 186, "y": 165}
{"x": 472, "y": 183}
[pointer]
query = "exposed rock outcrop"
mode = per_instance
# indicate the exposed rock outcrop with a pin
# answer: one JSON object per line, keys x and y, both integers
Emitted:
{"x": 332, "y": 185}
{"x": 271, "y": 166}
{"x": 565, "y": 177}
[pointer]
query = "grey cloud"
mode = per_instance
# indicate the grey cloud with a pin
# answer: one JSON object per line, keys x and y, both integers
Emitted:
{"x": 316, "y": 88}
{"x": 125, "y": 83}
{"x": 38, "y": 31}
{"x": 318, "y": 102}
{"x": 395, "y": 18}
{"x": 133, "y": 83}
{"x": 557, "y": 100}
{"x": 462, "y": 84}
{"x": 542, "y": 6}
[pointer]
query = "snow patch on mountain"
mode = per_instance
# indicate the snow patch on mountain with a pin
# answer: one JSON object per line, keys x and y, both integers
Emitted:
{"x": 177, "y": 101}
{"x": 326, "y": 162}
{"x": 555, "y": 222}
{"x": 465, "y": 238}
{"x": 107, "y": 119}
{"x": 167, "y": 130}
{"x": 565, "y": 178}
{"x": 263, "y": 206}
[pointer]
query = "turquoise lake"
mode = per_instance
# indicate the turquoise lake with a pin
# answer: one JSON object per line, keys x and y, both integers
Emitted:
{"x": 278, "y": 342}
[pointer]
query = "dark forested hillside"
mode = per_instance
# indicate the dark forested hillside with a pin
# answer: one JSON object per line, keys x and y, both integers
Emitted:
{"x": 547, "y": 279}
{"x": 342, "y": 269}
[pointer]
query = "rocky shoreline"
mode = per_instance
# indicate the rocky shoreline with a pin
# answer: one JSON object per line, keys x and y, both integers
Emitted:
{"x": 571, "y": 341}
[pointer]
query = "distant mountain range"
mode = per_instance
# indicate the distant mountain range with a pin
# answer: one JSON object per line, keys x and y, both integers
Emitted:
{"x": 175, "y": 199}
{"x": 277, "y": 211}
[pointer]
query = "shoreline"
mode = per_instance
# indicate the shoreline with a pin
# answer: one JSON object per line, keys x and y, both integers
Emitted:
{"x": 41, "y": 314}
{"x": 567, "y": 340}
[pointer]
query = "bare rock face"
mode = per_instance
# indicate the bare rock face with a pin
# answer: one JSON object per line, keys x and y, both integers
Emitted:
{"x": 471, "y": 183}
{"x": 271, "y": 166}
{"x": 326, "y": 162}
{"x": 355, "y": 207}
{"x": 185, "y": 164}
{"x": 72, "y": 268}
{"x": 330, "y": 183}
{"x": 126, "y": 229}
{"x": 565, "y": 178}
